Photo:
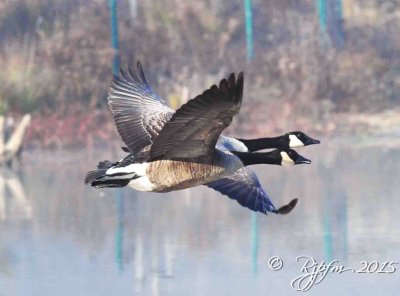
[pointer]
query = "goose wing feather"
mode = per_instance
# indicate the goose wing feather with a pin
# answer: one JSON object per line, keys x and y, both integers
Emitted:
{"x": 139, "y": 113}
{"x": 194, "y": 129}
{"x": 244, "y": 187}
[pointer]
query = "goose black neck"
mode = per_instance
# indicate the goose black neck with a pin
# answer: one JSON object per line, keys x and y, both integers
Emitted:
{"x": 263, "y": 143}
{"x": 248, "y": 158}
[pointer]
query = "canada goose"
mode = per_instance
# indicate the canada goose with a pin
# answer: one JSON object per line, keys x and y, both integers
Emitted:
{"x": 244, "y": 186}
{"x": 286, "y": 141}
{"x": 176, "y": 150}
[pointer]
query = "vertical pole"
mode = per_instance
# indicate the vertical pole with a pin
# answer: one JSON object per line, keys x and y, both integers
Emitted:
{"x": 327, "y": 234}
{"x": 114, "y": 34}
{"x": 254, "y": 242}
{"x": 119, "y": 230}
{"x": 322, "y": 12}
{"x": 249, "y": 29}
{"x": 248, "y": 14}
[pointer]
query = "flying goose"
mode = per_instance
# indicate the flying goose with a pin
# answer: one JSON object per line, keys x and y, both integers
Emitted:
{"x": 176, "y": 150}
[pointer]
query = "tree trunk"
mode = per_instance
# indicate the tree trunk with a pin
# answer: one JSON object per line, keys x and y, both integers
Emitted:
{"x": 13, "y": 145}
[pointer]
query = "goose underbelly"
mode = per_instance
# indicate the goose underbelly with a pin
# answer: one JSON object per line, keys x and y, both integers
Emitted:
{"x": 170, "y": 175}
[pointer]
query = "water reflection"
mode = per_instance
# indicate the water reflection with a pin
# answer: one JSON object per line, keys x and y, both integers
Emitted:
{"x": 59, "y": 237}
{"x": 13, "y": 202}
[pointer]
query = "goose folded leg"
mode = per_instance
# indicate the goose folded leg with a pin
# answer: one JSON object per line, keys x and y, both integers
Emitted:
{"x": 244, "y": 187}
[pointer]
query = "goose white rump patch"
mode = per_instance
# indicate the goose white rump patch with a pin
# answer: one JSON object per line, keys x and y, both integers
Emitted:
{"x": 142, "y": 184}
{"x": 141, "y": 181}
{"x": 139, "y": 169}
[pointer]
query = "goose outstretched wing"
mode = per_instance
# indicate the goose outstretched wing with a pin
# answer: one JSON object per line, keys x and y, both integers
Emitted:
{"x": 244, "y": 187}
{"x": 139, "y": 113}
{"x": 194, "y": 129}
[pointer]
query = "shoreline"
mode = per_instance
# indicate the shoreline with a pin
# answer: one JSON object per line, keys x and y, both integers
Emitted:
{"x": 96, "y": 130}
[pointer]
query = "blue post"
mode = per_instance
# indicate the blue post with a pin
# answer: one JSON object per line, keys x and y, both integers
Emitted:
{"x": 114, "y": 34}
{"x": 327, "y": 234}
{"x": 340, "y": 9}
{"x": 249, "y": 29}
{"x": 254, "y": 243}
{"x": 248, "y": 14}
{"x": 322, "y": 13}
{"x": 119, "y": 231}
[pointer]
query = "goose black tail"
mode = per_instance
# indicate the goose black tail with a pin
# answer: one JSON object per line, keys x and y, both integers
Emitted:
{"x": 105, "y": 164}
{"x": 92, "y": 176}
{"x": 99, "y": 179}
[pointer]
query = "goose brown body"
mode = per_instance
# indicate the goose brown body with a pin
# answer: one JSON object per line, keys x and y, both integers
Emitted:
{"x": 168, "y": 175}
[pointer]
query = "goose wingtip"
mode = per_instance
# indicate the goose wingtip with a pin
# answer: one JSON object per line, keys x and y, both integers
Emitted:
{"x": 286, "y": 209}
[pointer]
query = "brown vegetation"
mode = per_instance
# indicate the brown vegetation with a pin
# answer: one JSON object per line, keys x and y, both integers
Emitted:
{"x": 56, "y": 57}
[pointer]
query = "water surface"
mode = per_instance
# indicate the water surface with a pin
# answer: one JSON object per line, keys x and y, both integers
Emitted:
{"x": 59, "y": 237}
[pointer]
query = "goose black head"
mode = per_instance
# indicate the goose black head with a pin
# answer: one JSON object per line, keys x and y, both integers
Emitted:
{"x": 290, "y": 157}
{"x": 299, "y": 139}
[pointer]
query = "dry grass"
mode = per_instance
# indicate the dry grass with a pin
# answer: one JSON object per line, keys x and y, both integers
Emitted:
{"x": 56, "y": 55}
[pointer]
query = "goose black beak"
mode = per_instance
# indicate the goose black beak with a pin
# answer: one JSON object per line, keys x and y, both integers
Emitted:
{"x": 300, "y": 159}
{"x": 310, "y": 141}
{"x": 314, "y": 141}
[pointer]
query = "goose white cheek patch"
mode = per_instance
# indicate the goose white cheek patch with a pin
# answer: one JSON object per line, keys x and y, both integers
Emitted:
{"x": 286, "y": 160}
{"x": 294, "y": 141}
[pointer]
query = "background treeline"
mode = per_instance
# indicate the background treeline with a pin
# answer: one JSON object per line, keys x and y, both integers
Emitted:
{"x": 56, "y": 54}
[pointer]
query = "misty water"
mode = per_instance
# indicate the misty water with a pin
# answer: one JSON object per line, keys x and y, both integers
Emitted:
{"x": 59, "y": 237}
